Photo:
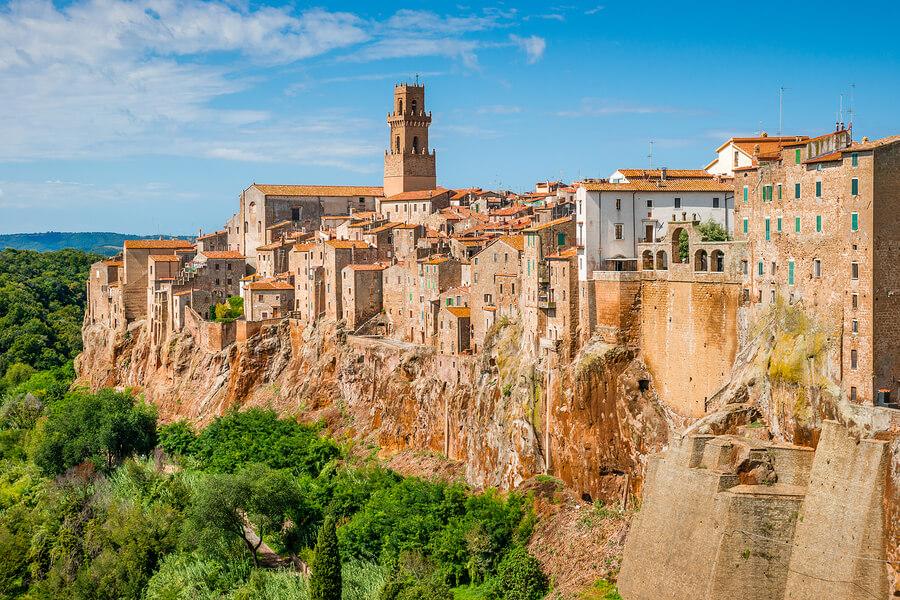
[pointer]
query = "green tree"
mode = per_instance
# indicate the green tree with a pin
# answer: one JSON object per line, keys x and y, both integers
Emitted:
{"x": 684, "y": 246}
{"x": 104, "y": 428}
{"x": 177, "y": 438}
{"x": 712, "y": 231}
{"x": 325, "y": 582}
{"x": 519, "y": 577}
{"x": 230, "y": 310}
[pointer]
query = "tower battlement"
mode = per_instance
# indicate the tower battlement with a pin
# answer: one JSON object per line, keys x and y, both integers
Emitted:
{"x": 409, "y": 163}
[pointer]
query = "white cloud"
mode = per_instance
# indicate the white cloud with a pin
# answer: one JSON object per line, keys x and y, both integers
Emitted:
{"x": 595, "y": 10}
{"x": 533, "y": 46}
{"x": 595, "y": 107}
{"x": 499, "y": 109}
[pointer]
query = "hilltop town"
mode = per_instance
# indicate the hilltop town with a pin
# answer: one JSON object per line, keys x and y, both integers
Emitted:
{"x": 419, "y": 263}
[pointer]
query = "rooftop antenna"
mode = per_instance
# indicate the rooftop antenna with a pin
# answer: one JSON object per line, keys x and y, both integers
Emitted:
{"x": 781, "y": 91}
{"x": 650, "y": 156}
{"x": 841, "y": 111}
{"x": 417, "y": 80}
{"x": 850, "y": 110}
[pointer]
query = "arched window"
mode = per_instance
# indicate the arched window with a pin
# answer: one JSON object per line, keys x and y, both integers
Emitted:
{"x": 701, "y": 262}
{"x": 662, "y": 262}
{"x": 414, "y": 107}
{"x": 680, "y": 251}
{"x": 647, "y": 261}
{"x": 399, "y": 106}
{"x": 718, "y": 261}
{"x": 415, "y": 141}
{"x": 398, "y": 144}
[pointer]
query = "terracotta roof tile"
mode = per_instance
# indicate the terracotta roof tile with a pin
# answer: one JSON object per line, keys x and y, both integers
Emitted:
{"x": 552, "y": 223}
{"x": 319, "y": 190}
{"x": 565, "y": 253}
{"x": 303, "y": 247}
{"x": 157, "y": 244}
{"x": 670, "y": 173}
{"x": 223, "y": 254}
{"x": 165, "y": 258}
{"x": 347, "y": 244}
{"x": 669, "y": 185}
{"x": 516, "y": 241}
{"x": 463, "y": 312}
{"x": 269, "y": 286}
{"x": 871, "y": 145}
{"x": 367, "y": 267}
{"x": 417, "y": 195}
{"x": 211, "y": 235}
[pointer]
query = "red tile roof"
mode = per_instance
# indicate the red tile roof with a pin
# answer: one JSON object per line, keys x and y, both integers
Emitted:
{"x": 553, "y": 223}
{"x": 165, "y": 258}
{"x": 417, "y": 195}
{"x": 157, "y": 244}
{"x": 223, "y": 254}
{"x": 669, "y": 185}
{"x": 347, "y": 244}
{"x": 462, "y": 312}
{"x": 319, "y": 190}
{"x": 269, "y": 286}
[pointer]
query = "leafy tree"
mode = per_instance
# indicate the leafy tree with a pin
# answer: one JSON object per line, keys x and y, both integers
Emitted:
{"x": 247, "y": 506}
{"x": 684, "y": 248}
{"x": 325, "y": 583}
{"x": 177, "y": 438}
{"x": 259, "y": 436}
{"x": 712, "y": 231}
{"x": 230, "y": 310}
{"x": 519, "y": 577}
{"x": 104, "y": 428}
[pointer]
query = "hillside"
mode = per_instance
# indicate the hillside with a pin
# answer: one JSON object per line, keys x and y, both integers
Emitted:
{"x": 99, "y": 242}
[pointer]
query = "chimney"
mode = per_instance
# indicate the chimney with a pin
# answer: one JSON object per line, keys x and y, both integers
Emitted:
{"x": 662, "y": 173}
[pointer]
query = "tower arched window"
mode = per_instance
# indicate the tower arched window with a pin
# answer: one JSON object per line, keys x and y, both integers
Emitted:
{"x": 415, "y": 143}
{"x": 414, "y": 107}
{"x": 399, "y": 106}
{"x": 398, "y": 144}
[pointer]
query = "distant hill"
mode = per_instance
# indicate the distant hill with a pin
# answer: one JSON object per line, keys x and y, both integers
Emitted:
{"x": 100, "y": 242}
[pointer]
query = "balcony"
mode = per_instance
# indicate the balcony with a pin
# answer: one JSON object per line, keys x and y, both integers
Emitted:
{"x": 546, "y": 303}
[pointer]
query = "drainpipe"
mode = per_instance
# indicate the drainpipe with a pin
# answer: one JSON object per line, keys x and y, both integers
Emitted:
{"x": 634, "y": 223}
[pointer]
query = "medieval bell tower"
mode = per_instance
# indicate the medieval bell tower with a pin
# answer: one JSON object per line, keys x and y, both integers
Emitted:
{"x": 408, "y": 163}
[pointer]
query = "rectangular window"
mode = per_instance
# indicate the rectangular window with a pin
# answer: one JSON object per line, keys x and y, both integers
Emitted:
{"x": 797, "y": 224}
{"x": 818, "y": 223}
{"x": 779, "y": 191}
{"x": 778, "y": 224}
{"x": 854, "y": 359}
{"x": 854, "y": 187}
{"x": 677, "y": 202}
{"x": 854, "y": 326}
{"x": 852, "y": 394}
{"x": 818, "y": 189}
{"x": 817, "y": 267}
{"x": 854, "y": 221}
{"x": 618, "y": 204}
{"x": 854, "y": 301}
{"x": 790, "y": 272}
{"x": 854, "y": 159}
{"x": 649, "y": 203}
{"x": 797, "y": 191}
{"x": 759, "y": 268}
{"x": 619, "y": 230}
{"x": 768, "y": 229}
{"x": 746, "y": 224}
{"x": 744, "y": 267}
{"x": 715, "y": 203}
{"x": 746, "y": 193}
{"x": 854, "y": 270}
{"x": 797, "y": 156}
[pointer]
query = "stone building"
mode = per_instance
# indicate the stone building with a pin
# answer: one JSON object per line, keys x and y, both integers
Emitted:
{"x": 634, "y": 205}
{"x": 414, "y": 207}
{"x": 454, "y": 330}
{"x": 262, "y": 206}
{"x": 136, "y": 259}
{"x": 495, "y": 285}
{"x": 362, "y": 293}
{"x": 268, "y": 299}
{"x": 400, "y": 296}
{"x": 561, "y": 303}
{"x": 740, "y": 152}
{"x": 216, "y": 241}
{"x": 307, "y": 264}
{"x": 408, "y": 164}
{"x": 820, "y": 221}
{"x": 436, "y": 274}
{"x": 336, "y": 255}
{"x": 104, "y": 293}
{"x": 273, "y": 258}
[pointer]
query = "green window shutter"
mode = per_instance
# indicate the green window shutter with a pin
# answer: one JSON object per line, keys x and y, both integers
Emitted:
{"x": 560, "y": 239}
{"x": 854, "y": 159}
{"x": 449, "y": 301}
{"x": 790, "y": 272}
{"x": 778, "y": 225}
{"x": 746, "y": 225}
{"x": 797, "y": 224}
{"x": 797, "y": 191}
{"x": 746, "y": 193}
{"x": 818, "y": 223}
{"x": 854, "y": 222}
{"x": 818, "y": 189}
{"x": 854, "y": 186}
{"x": 768, "y": 229}
{"x": 779, "y": 191}
{"x": 797, "y": 156}
{"x": 759, "y": 268}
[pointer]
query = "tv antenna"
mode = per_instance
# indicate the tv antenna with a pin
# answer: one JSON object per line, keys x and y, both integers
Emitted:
{"x": 781, "y": 91}
{"x": 650, "y": 155}
{"x": 850, "y": 109}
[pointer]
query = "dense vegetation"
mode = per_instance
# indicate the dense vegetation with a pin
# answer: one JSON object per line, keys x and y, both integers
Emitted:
{"x": 98, "y": 242}
{"x": 41, "y": 309}
{"x": 98, "y": 501}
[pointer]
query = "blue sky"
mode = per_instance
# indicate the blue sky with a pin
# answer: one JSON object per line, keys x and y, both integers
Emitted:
{"x": 150, "y": 116}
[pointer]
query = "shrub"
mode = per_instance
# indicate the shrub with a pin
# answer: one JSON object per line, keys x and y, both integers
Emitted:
{"x": 519, "y": 577}
{"x": 325, "y": 583}
{"x": 177, "y": 438}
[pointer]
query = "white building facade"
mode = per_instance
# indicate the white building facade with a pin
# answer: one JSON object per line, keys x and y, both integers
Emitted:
{"x": 633, "y": 206}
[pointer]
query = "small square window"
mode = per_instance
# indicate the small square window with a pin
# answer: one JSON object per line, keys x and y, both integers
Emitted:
{"x": 817, "y": 267}
{"x": 854, "y": 326}
{"x": 619, "y": 230}
{"x": 853, "y": 394}
{"x": 854, "y": 359}
{"x": 854, "y": 301}
{"x": 715, "y": 203}
{"x": 854, "y": 270}
{"x": 649, "y": 203}
{"x": 677, "y": 202}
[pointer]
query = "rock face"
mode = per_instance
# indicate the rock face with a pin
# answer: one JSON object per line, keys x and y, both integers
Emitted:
{"x": 502, "y": 414}
{"x": 727, "y": 517}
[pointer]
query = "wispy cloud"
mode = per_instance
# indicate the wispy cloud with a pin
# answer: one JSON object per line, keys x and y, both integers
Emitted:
{"x": 595, "y": 10}
{"x": 595, "y": 107}
{"x": 499, "y": 109}
{"x": 533, "y": 46}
